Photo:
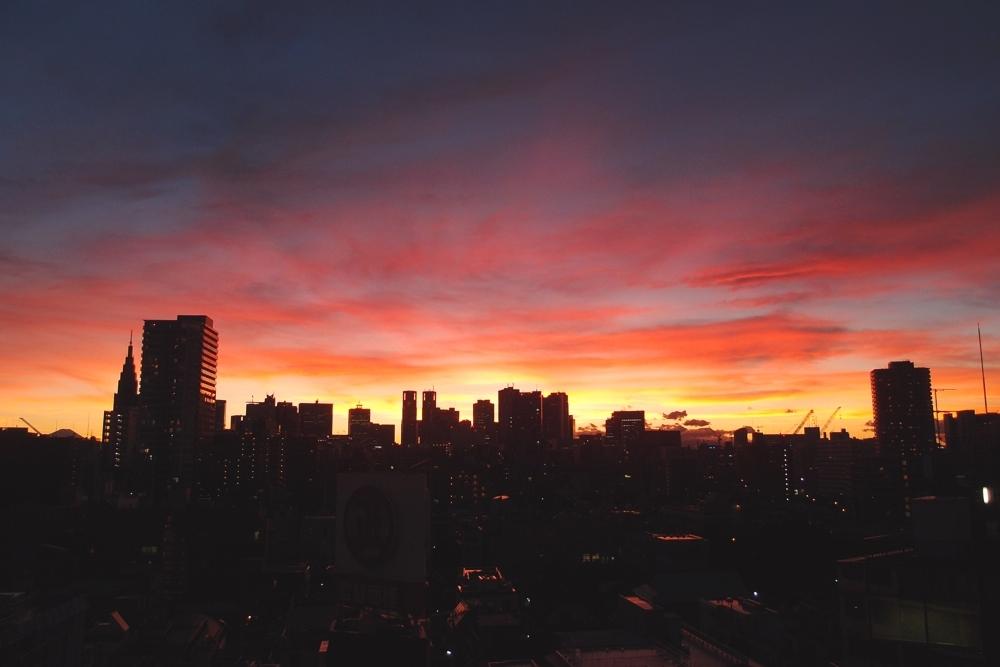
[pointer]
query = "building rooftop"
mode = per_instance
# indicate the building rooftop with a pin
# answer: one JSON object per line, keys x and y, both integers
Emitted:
{"x": 662, "y": 537}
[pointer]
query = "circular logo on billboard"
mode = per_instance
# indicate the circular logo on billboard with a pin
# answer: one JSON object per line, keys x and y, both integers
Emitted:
{"x": 369, "y": 527}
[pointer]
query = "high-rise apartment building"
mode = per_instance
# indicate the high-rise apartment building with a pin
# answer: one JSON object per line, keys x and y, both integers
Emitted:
{"x": 177, "y": 394}
{"x": 904, "y": 419}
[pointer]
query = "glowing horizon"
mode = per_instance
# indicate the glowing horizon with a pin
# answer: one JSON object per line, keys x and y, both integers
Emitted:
{"x": 668, "y": 208}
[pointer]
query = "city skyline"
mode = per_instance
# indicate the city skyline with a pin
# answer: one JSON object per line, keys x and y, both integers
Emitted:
{"x": 458, "y": 334}
{"x": 677, "y": 419}
{"x": 388, "y": 409}
{"x": 733, "y": 213}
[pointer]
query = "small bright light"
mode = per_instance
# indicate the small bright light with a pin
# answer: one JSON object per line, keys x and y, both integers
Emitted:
{"x": 987, "y": 495}
{"x": 755, "y": 593}
{"x": 448, "y": 653}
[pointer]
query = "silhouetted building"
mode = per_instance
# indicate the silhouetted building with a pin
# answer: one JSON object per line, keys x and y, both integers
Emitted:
{"x": 316, "y": 419}
{"x": 776, "y": 465}
{"x": 287, "y": 417}
{"x": 484, "y": 422}
{"x": 220, "y": 415}
{"x": 973, "y": 442}
{"x": 127, "y": 395}
{"x": 483, "y": 414}
{"x": 428, "y": 406}
{"x": 438, "y": 426}
{"x": 656, "y": 446}
{"x": 262, "y": 418}
{"x": 519, "y": 428}
{"x": 384, "y": 435}
{"x": 358, "y": 420}
{"x": 408, "y": 425}
{"x": 625, "y": 429}
{"x": 904, "y": 420}
{"x": 557, "y": 425}
{"x": 121, "y": 423}
{"x": 177, "y": 393}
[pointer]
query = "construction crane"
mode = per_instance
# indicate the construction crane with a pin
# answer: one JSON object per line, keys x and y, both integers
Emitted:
{"x": 802, "y": 423}
{"x": 937, "y": 421}
{"x": 31, "y": 426}
{"x": 829, "y": 419}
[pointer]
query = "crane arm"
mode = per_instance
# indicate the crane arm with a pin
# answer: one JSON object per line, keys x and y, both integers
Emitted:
{"x": 830, "y": 419}
{"x": 31, "y": 426}
{"x": 802, "y": 423}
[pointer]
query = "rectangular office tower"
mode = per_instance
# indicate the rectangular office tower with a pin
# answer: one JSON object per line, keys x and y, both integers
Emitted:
{"x": 177, "y": 395}
{"x": 316, "y": 419}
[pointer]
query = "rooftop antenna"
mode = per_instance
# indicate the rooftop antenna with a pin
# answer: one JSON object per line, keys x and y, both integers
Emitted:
{"x": 982, "y": 368}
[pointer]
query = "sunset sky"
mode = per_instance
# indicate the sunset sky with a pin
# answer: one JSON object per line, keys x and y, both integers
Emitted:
{"x": 736, "y": 210}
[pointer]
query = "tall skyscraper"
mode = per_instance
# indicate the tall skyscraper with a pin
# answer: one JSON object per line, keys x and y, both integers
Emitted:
{"x": 428, "y": 412}
{"x": 904, "y": 419}
{"x": 177, "y": 394}
{"x": 556, "y": 421}
{"x": 408, "y": 426}
{"x": 519, "y": 427}
{"x": 121, "y": 423}
{"x": 429, "y": 404}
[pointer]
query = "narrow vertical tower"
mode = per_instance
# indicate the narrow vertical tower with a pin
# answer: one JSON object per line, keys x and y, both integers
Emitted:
{"x": 127, "y": 395}
{"x": 408, "y": 427}
{"x": 428, "y": 418}
{"x": 121, "y": 423}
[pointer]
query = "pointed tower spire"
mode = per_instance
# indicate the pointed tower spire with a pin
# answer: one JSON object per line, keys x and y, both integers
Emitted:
{"x": 128, "y": 386}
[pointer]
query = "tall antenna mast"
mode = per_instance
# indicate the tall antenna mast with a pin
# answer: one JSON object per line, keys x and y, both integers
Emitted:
{"x": 982, "y": 367}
